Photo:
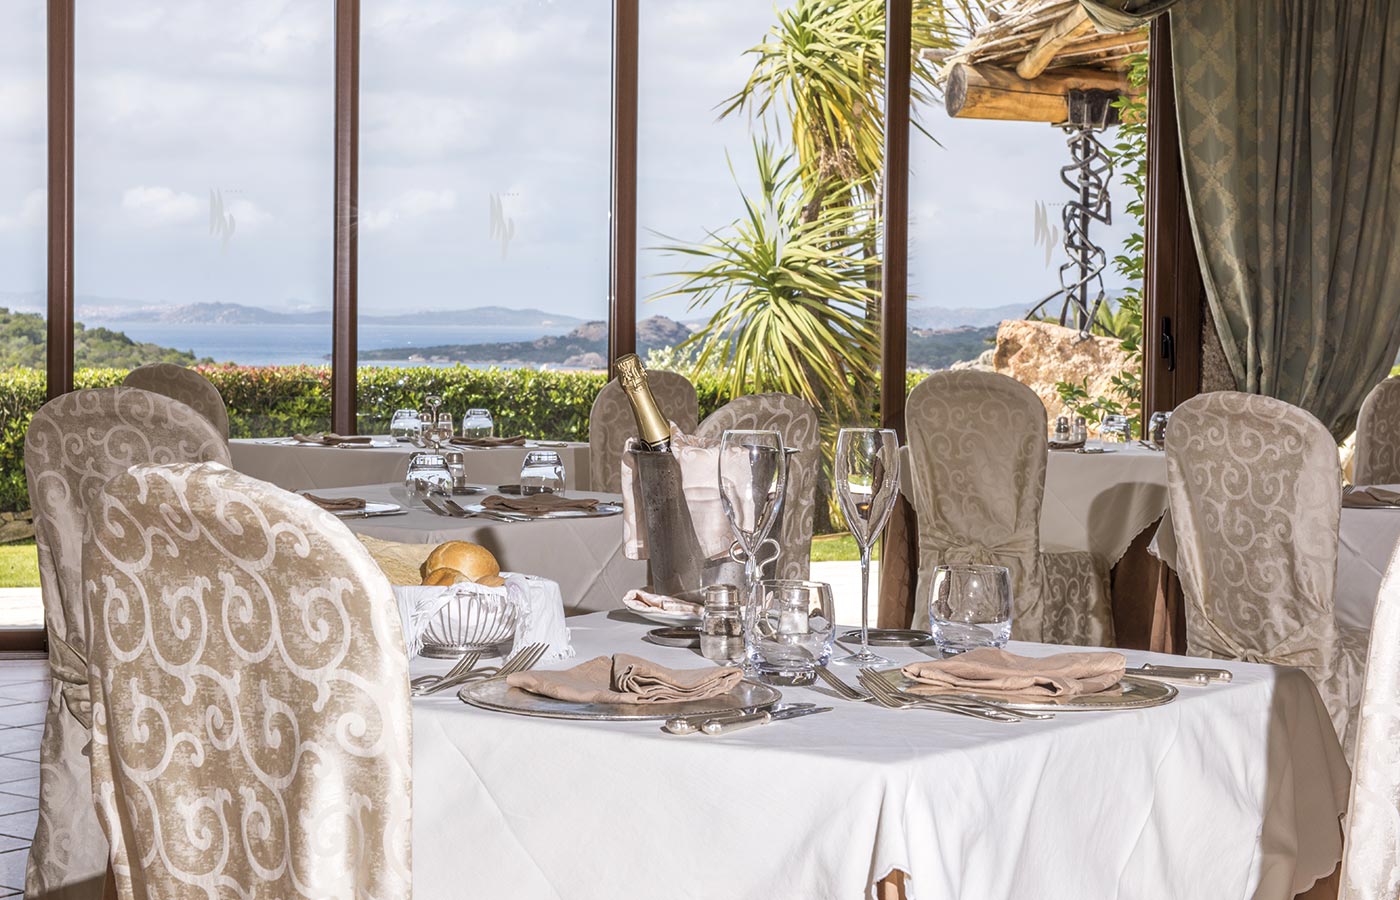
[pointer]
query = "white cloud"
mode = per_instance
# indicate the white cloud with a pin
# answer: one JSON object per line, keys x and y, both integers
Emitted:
{"x": 160, "y": 206}
{"x": 409, "y": 204}
{"x": 30, "y": 213}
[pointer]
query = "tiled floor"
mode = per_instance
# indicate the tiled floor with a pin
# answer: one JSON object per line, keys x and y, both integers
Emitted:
{"x": 23, "y": 693}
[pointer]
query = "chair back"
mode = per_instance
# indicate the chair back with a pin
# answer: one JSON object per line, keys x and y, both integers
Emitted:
{"x": 1377, "y": 458}
{"x": 185, "y": 385}
{"x": 610, "y": 422}
{"x": 977, "y": 444}
{"x": 796, "y": 421}
{"x": 1371, "y": 858}
{"x": 74, "y": 444}
{"x": 1255, "y": 491}
{"x": 251, "y": 717}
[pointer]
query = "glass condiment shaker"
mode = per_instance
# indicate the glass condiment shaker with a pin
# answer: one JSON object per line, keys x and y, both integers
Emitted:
{"x": 1062, "y": 430}
{"x": 721, "y": 625}
{"x": 1080, "y": 432}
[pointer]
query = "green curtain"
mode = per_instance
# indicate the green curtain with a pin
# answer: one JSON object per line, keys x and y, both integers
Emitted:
{"x": 1288, "y": 116}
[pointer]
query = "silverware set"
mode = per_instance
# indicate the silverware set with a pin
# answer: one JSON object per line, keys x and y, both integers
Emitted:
{"x": 717, "y": 723}
{"x": 1182, "y": 674}
{"x": 880, "y": 691}
{"x": 464, "y": 671}
{"x": 452, "y": 509}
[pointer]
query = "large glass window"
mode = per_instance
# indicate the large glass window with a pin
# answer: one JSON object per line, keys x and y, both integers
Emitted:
{"x": 484, "y": 192}
{"x": 204, "y": 202}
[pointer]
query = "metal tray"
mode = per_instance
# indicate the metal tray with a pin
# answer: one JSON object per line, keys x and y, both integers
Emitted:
{"x": 604, "y": 509}
{"x": 890, "y": 637}
{"x": 1132, "y": 693}
{"x": 686, "y": 638}
{"x": 498, "y": 696}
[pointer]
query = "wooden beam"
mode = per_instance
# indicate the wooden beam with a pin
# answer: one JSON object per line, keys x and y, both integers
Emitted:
{"x": 344, "y": 280}
{"x": 987, "y": 92}
{"x": 622, "y": 293}
{"x": 1052, "y": 40}
{"x": 59, "y": 351}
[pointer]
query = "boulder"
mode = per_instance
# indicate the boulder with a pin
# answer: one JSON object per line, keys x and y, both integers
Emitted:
{"x": 1039, "y": 354}
{"x": 16, "y": 526}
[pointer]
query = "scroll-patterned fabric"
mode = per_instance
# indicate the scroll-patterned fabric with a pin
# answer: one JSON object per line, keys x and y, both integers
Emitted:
{"x": 977, "y": 441}
{"x": 185, "y": 385}
{"x": 796, "y": 421}
{"x": 75, "y": 443}
{"x": 1255, "y": 490}
{"x": 1371, "y": 862}
{"x": 610, "y": 422}
{"x": 251, "y": 719}
{"x": 1377, "y": 457}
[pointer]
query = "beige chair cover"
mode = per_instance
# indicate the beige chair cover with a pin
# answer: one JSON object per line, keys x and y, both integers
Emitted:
{"x": 75, "y": 443}
{"x": 185, "y": 385}
{"x": 1371, "y": 860}
{"x": 251, "y": 718}
{"x": 1255, "y": 491}
{"x": 1377, "y": 456}
{"x": 796, "y": 421}
{"x": 978, "y": 445}
{"x": 611, "y": 424}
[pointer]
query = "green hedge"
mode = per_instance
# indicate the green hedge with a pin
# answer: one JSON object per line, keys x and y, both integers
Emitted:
{"x": 268, "y": 401}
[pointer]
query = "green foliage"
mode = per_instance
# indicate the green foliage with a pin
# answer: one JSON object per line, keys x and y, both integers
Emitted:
{"x": 23, "y": 338}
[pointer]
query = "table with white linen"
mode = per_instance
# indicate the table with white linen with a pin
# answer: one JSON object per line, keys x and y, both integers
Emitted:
{"x": 1229, "y": 791}
{"x": 1096, "y": 502}
{"x": 310, "y": 467}
{"x": 583, "y": 554}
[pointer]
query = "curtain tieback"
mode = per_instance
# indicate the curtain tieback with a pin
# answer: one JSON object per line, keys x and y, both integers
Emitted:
{"x": 69, "y": 669}
{"x": 948, "y": 549}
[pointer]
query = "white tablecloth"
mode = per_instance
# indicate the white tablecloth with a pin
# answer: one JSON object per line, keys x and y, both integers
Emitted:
{"x": 310, "y": 468}
{"x": 1232, "y": 791}
{"x": 1098, "y": 501}
{"x": 584, "y": 555}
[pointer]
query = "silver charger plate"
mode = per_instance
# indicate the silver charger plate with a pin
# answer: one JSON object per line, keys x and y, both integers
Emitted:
{"x": 688, "y": 638}
{"x": 372, "y": 508}
{"x": 498, "y": 696}
{"x": 1132, "y": 693}
{"x": 604, "y": 509}
{"x": 890, "y": 637}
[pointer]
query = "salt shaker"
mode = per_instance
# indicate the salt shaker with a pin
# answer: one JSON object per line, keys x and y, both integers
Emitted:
{"x": 1062, "y": 430}
{"x": 1080, "y": 432}
{"x": 721, "y": 625}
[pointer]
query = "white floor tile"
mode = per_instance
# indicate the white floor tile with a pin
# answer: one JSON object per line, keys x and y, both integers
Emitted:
{"x": 12, "y": 868}
{"x": 20, "y": 824}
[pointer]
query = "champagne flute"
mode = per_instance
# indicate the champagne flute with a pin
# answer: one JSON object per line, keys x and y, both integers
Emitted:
{"x": 752, "y": 483}
{"x": 867, "y": 485}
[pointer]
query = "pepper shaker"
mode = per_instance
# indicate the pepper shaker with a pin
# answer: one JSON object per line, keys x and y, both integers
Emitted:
{"x": 721, "y": 625}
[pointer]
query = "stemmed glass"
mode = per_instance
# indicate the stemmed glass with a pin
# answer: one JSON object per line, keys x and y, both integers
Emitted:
{"x": 752, "y": 483}
{"x": 867, "y": 485}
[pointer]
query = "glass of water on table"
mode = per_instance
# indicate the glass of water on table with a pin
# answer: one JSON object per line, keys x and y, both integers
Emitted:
{"x": 542, "y": 473}
{"x": 969, "y": 606}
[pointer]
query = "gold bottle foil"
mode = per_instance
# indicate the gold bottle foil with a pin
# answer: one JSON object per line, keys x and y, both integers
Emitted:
{"x": 652, "y": 428}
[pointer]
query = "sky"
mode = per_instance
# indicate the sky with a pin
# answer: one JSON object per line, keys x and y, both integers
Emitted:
{"x": 204, "y": 156}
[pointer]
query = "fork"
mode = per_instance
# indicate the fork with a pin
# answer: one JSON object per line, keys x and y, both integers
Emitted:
{"x": 842, "y": 688}
{"x": 887, "y": 697}
{"x": 965, "y": 700}
{"x": 462, "y": 665}
{"x": 463, "y": 513}
{"x": 524, "y": 659}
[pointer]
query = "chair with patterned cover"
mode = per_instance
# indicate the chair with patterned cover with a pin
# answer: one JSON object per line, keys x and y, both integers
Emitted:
{"x": 1377, "y": 458}
{"x": 185, "y": 385}
{"x": 75, "y": 443}
{"x": 796, "y": 421}
{"x": 1371, "y": 858}
{"x": 978, "y": 452}
{"x": 1255, "y": 491}
{"x": 610, "y": 423}
{"x": 251, "y": 718}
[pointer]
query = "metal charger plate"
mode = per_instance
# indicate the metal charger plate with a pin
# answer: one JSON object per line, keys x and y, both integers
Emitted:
{"x": 498, "y": 696}
{"x": 662, "y": 617}
{"x": 604, "y": 509}
{"x": 890, "y": 637}
{"x": 371, "y": 509}
{"x": 687, "y": 638}
{"x": 1132, "y": 693}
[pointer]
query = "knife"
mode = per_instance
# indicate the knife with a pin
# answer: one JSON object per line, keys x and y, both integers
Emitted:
{"x": 1188, "y": 674}
{"x": 691, "y": 724}
{"x": 725, "y": 726}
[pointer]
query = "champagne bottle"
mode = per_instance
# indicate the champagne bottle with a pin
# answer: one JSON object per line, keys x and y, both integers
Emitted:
{"x": 653, "y": 431}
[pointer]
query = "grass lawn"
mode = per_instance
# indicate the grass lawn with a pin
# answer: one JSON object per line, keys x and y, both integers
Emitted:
{"x": 19, "y": 565}
{"x": 837, "y": 548}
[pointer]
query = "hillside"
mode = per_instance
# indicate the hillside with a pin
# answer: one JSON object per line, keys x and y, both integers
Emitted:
{"x": 23, "y": 335}
{"x": 585, "y": 347}
{"x": 940, "y": 348}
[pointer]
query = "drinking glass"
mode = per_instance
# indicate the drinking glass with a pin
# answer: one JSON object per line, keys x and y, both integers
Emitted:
{"x": 404, "y": 425}
{"x": 427, "y": 474}
{"x": 445, "y": 428}
{"x": 969, "y": 606}
{"x": 1157, "y": 429}
{"x": 542, "y": 473}
{"x": 867, "y": 486}
{"x": 1115, "y": 429}
{"x": 791, "y": 630}
{"x": 752, "y": 483}
{"x": 478, "y": 424}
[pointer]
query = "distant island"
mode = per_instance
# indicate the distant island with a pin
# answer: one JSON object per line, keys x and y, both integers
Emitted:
{"x": 585, "y": 347}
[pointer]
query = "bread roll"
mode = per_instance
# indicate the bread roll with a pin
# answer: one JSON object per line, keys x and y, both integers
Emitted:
{"x": 443, "y": 577}
{"x": 472, "y": 560}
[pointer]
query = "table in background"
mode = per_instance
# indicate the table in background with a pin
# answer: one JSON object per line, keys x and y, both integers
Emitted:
{"x": 1230, "y": 791}
{"x": 583, "y": 554}
{"x": 307, "y": 467}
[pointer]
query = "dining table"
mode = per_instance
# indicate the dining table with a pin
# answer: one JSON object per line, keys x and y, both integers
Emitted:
{"x": 299, "y": 466}
{"x": 583, "y": 554}
{"x": 1230, "y": 790}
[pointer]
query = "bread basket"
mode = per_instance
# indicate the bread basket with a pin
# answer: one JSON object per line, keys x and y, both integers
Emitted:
{"x": 477, "y": 618}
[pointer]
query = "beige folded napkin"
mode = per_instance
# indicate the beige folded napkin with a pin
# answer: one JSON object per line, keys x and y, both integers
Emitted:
{"x": 1359, "y": 497}
{"x": 994, "y": 671}
{"x": 534, "y": 504}
{"x": 331, "y": 440}
{"x": 639, "y": 600}
{"x": 628, "y": 679}
{"x": 336, "y": 504}
{"x": 517, "y": 441}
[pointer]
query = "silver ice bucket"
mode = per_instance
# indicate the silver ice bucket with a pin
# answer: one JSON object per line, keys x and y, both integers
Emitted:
{"x": 678, "y": 569}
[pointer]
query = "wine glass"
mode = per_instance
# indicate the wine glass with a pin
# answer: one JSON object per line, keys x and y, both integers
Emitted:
{"x": 752, "y": 482}
{"x": 867, "y": 485}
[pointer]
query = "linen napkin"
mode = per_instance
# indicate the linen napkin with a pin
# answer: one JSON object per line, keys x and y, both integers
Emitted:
{"x": 480, "y": 443}
{"x": 335, "y": 504}
{"x": 332, "y": 440}
{"x": 994, "y": 671}
{"x": 624, "y": 678}
{"x": 639, "y": 600}
{"x": 534, "y": 504}
{"x": 1360, "y": 497}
